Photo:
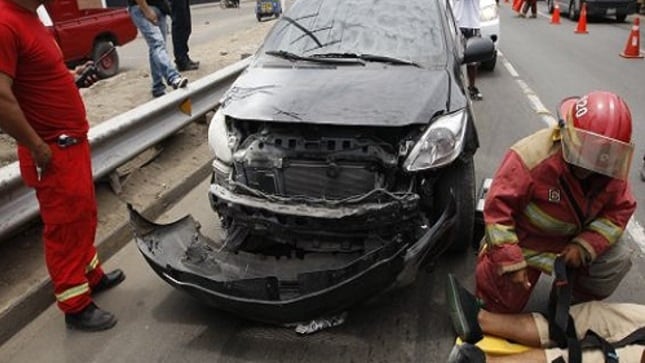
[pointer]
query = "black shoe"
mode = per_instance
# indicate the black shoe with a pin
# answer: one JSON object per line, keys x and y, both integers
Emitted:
{"x": 466, "y": 353}
{"x": 463, "y": 309}
{"x": 109, "y": 280}
{"x": 188, "y": 65}
{"x": 156, "y": 94}
{"x": 91, "y": 318}
{"x": 475, "y": 94}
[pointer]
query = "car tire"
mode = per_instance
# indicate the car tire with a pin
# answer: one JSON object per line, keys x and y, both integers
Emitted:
{"x": 573, "y": 13}
{"x": 108, "y": 66}
{"x": 489, "y": 65}
{"x": 460, "y": 177}
{"x": 621, "y": 18}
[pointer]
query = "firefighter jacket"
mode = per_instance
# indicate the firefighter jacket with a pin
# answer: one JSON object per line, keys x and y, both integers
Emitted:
{"x": 536, "y": 206}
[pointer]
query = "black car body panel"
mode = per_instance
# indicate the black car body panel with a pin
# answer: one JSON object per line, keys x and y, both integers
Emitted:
{"x": 343, "y": 163}
{"x": 399, "y": 97}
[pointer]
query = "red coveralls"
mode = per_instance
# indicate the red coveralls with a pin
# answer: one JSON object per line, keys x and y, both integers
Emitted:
{"x": 51, "y": 103}
{"x": 534, "y": 208}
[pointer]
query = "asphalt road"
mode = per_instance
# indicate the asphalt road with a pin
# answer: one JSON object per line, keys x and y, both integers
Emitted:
{"x": 541, "y": 64}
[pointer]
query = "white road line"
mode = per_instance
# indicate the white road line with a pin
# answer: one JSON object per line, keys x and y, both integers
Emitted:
{"x": 634, "y": 229}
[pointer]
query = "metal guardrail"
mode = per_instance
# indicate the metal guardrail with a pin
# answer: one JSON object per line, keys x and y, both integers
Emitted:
{"x": 119, "y": 139}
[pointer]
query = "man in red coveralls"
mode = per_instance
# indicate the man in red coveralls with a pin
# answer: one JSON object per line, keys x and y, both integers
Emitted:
{"x": 41, "y": 108}
{"x": 561, "y": 191}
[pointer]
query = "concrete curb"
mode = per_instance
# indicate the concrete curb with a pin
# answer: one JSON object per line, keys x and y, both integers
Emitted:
{"x": 109, "y": 241}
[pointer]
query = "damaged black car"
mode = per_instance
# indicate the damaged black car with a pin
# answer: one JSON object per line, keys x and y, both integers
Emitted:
{"x": 343, "y": 163}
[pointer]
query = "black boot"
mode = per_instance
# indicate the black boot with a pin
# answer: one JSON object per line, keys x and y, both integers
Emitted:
{"x": 91, "y": 318}
{"x": 463, "y": 309}
{"x": 108, "y": 281}
{"x": 466, "y": 353}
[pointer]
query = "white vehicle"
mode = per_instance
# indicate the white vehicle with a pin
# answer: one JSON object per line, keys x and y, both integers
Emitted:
{"x": 489, "y": 18}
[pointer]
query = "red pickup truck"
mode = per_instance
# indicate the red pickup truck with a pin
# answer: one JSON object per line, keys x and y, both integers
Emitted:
{"x": 87, "y": 34}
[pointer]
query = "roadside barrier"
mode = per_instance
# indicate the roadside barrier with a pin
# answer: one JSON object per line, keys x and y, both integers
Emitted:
{"x": 633, "y": 46}
{"x": 118, "y": 140}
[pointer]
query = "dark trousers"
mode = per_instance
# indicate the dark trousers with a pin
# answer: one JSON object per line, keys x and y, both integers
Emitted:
{"x": 181, "y": 29}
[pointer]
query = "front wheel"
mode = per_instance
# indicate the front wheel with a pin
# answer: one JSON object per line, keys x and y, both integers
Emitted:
{"x": 573, "y": 13}
{"x": 621, "y": 18}
{"x": 106, "y": 66}
{"x": 459, "y": 178}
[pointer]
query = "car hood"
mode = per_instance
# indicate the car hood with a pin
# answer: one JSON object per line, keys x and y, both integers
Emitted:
{"x": 371, "y": 95}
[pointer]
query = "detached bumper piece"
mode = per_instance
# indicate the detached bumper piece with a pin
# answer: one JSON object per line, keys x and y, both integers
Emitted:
{"x": 280, "y": 290}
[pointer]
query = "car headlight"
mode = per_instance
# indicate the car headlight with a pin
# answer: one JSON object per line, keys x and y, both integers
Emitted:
{"x": 488, "y": 13}
{"x": 218, "y": 138}
{"x": 440, "y": 144}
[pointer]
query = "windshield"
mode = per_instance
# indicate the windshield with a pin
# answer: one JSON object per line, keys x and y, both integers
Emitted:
{"x": 392, "y": 31}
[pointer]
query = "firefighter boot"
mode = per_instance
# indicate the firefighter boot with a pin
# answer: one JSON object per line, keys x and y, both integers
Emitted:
{"x": 466, "y": 353}
{"x": 109, "y": 280}
{"x": 463, "y": 309}
{"x": 91, "y": 318}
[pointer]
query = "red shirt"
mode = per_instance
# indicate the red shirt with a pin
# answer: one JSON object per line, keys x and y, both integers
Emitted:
{"x": 42, "y": 84}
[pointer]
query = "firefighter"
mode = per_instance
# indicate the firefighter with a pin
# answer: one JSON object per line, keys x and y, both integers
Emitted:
{"x": 560, "y": 191}
{"x": 40, "y": 106}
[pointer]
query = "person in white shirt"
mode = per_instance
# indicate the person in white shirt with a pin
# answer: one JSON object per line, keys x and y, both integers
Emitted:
{"x": 467, "y": 18}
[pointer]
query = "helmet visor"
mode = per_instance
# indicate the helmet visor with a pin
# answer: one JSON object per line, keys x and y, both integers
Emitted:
{"x": 597, "y": 153}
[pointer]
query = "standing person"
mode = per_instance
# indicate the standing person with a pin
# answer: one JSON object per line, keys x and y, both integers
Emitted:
{"x": 181, "y": 29}
{"x": 150, "y": 18}
{"x": 467, "y": 18}
{"x": 42, "y": 109}
{"x": 561, "y": 191}
{"x": 525, "y": 8}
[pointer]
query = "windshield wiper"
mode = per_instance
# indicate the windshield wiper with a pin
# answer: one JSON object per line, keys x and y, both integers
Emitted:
{"x": 304, "y": 30}
{"x": 294, "y": 57}
{"x": 367, "y": 57}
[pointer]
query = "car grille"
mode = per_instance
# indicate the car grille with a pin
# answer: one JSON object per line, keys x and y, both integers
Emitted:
{"x": 314, "y": 179}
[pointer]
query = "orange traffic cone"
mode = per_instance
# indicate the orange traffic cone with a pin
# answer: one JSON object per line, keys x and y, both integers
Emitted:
{"x": 582, "y": 22}
{"x": 632, "y": 48}
{"x": 555, "y": 17}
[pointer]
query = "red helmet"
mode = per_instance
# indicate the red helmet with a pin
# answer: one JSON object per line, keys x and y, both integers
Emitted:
{"x": 597, "y": 132}
{"x": 603, "y": 113}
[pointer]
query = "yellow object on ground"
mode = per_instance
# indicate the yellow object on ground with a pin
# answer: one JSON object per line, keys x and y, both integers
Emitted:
{"x": 498, "y": 346}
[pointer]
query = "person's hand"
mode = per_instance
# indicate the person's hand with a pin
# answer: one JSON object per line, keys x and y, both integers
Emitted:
{"x": 520, "y": 277}
{"x": 42, "y": 155}
{"x": 90, "y": 77}
{"x": 150, "y": 14}
{"x": 572, "y": 255}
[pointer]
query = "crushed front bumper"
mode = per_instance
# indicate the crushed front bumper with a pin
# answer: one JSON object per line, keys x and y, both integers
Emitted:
{"x": 285, "y": 290}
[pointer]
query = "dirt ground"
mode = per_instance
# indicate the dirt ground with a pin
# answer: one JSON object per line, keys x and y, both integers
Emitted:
{"x": 129, "y": 89}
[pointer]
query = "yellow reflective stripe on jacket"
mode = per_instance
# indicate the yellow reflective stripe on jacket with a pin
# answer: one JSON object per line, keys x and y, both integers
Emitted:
{"x": 73, "y": 292}
{"x": 606, "y": 228}
{"x": 545, "y": 222}
{"x": 93, "y": 264}
{"x": 498, "y": 233}
{"x": 540, "y": 260}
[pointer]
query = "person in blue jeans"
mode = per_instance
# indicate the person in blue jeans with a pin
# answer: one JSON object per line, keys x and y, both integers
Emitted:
{"x": 150, "y": 17}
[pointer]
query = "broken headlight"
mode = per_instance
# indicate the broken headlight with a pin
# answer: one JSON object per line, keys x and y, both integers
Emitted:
{"x": 440, "y": 144}
{"x": 218, "y": 138}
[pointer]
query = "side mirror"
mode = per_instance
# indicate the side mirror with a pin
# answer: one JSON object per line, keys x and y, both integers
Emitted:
{"x": 478, "y": 50}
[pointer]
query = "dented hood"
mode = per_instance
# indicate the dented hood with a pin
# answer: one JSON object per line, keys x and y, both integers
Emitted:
{"x": 370, "y": 95}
